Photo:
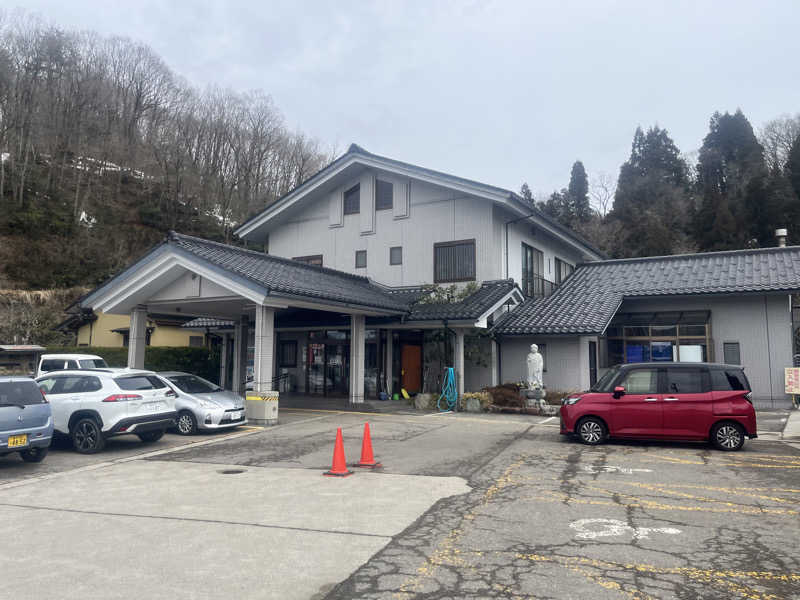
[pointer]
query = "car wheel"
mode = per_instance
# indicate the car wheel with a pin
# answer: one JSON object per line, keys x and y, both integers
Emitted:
{"x": 727, "y": 436}
{"x": 592, "y": 431}
{"x": 151, "y": 436}
{"x": 187, "y": 424}
{"x": 34, "y": 455}
{"x": 87, "y": 438}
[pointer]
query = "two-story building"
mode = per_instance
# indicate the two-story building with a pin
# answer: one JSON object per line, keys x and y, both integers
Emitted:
{"x": 332, "y": 297}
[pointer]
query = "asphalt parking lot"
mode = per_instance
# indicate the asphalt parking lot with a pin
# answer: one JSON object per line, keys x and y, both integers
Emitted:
{"x": 466, "y": 506}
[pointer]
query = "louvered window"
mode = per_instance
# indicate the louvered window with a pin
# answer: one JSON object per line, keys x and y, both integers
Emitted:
{"x": 352, "y": 200}
{"x": 383, "y": 195}
{"x": 454, "y": 261}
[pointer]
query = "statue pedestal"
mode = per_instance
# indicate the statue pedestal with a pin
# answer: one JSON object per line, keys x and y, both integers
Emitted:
{"x": 532, "y": 398}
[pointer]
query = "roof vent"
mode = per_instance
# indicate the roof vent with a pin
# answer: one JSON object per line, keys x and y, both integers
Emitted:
{"x": 781, "y": 235}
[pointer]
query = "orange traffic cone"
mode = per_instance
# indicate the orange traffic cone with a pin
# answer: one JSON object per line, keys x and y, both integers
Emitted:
{"x": 339, "y": 466}
{"x": 367, "y": 459}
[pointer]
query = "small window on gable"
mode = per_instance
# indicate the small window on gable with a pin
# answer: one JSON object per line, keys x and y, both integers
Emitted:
{"x": 396, "y": 255}
{"x": 361, "y": 259}
{"x": 352, "y": 200}
{"x": 383, "y": 195}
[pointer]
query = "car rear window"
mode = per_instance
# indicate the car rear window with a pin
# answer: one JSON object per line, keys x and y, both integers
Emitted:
{"x": 93, "y": 363}
{"x": 686, "y": 381}
{"x": 20, "y": 392}
{"x": 729, "y": 380}
{"x": 140, "y": 382}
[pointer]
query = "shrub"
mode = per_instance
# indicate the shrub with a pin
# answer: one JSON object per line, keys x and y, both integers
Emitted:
{"x": 200, "y": 361}
{"x": 506, "y": 394}
{"x": 483, "y": 396}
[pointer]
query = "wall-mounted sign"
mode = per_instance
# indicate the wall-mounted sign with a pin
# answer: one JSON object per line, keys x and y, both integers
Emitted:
{"x": 792, "y": 379}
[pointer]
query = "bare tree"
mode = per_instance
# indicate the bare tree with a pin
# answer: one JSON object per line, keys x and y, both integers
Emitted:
{"x": 601, "y": 190}
{"x": 776, "y": 136}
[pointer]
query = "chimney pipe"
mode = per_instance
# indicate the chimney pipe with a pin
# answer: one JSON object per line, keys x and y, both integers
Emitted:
{"x": 781, "y": 235}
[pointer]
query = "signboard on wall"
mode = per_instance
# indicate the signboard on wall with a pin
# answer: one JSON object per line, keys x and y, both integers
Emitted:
{"x": 792, "y": 379}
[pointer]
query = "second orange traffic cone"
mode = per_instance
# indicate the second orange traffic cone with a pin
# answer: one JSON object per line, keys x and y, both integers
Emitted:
{"x": 367, "y": 459}
{"x": 339, "y": 466}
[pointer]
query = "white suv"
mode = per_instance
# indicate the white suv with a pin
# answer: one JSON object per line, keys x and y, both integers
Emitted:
{"x": 91, "y": 405}
{"x": 61, "y": 362}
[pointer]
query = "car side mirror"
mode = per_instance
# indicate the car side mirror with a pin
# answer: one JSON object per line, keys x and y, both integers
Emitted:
{"x": 619, "y": 391}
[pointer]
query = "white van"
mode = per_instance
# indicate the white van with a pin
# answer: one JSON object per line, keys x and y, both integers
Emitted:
{"x": 61, "y": 362}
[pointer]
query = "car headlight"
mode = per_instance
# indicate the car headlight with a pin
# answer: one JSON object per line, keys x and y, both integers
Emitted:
{"x": 570, "y": 400}
{"x": 208, "y": 404}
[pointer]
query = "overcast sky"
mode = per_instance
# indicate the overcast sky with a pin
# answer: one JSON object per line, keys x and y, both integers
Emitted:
{"x": 502, "y": 92}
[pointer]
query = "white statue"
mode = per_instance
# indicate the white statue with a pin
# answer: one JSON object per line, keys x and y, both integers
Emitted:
{"x": 535, "y": 366}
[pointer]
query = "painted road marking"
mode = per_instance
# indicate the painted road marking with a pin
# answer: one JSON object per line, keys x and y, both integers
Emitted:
{"x": 614, "y": 469}
{"x": 590, "y": 529}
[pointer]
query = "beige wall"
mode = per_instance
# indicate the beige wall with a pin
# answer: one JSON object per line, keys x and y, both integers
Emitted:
{"x": 99, "y": 333}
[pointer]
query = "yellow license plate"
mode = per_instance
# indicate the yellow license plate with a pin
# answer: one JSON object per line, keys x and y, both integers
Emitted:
{"x": 16, "y": 441}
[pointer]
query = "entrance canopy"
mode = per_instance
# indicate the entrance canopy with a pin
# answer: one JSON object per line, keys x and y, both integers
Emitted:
{"x": 193, "y": 277}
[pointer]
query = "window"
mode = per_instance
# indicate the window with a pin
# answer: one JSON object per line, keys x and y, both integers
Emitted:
{"x": 383, "y": 195}
{"x": 686, "y": 381}
{"x": 52, "y": 364}
{"x": 71, "y": 384}
{"x": 314, "y": 259}
{"x": 454, "y": 261}
{"x": 352, "y": 200}
{"x": 563, "y": 270}
{"x": 93, "y": 363}
{"x": 728, "y": 380}
{"x": 192, "y": 384}
{"x": 140, "y": 382}
{"x": 196, "y": 341}
{"x": 287, "y": 356}
{"x": 641, "y": 381}
{"x": 396, "y": 255}
{"x": 20, "y": 392}
{"x": 532, "y": 270}
{"x": 361, "y": 259}
{"x": 730, "y": 351}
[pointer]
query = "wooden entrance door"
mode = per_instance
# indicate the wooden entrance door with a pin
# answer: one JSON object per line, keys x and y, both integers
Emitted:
{"x": 411, "y": 365}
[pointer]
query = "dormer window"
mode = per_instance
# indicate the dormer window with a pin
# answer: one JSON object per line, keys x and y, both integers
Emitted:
{"x": 352, "y": 200}
{"x": 383, "y": 195}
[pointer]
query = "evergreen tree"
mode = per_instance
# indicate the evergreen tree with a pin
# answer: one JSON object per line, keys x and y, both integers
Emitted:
{"x": 578, "y": 207}
{"x": 525, "y": 192}
{"x": 739, "y": 205}
{"x": 793, "y": 166}
{"x": 652, "y": 199}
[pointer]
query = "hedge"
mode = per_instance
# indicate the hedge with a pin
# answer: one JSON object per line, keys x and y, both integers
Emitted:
{"x": 200, "y": 361}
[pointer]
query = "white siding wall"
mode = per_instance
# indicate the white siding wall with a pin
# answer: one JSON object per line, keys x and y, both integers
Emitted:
{"x": 526, "y": 231}
{"x": 563, "y": 362}
{"x": 435, "y": 215}
{"x": 761, "y": 324}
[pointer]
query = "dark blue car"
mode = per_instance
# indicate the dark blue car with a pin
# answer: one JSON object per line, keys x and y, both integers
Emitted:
{"x": 26, "y": 424}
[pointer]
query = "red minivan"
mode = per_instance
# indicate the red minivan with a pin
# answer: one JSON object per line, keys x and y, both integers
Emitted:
{"x": 672, "y": 401}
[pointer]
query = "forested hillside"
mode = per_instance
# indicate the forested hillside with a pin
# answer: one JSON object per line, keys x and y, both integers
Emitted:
{"x": 103, "y": 149}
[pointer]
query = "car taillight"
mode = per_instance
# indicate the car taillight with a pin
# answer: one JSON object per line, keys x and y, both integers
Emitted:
{"x": 749, "y": 397}
{"x": 122, "y": 398}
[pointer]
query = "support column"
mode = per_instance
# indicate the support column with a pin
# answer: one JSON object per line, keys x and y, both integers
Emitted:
{"x": 495, "y": 365}
{"x": 239, "y": 356}
{"x": 357, "y": 353}
{"x": 458, "y": 361}
{"x": 223, "y": 362}
{"x": 264, "y": 349}
{"x": 387, "y": 370}
{"x": 137, "y": 337}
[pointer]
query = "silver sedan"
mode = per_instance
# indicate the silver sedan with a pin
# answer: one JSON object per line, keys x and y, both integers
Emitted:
{"x": 202, "y": 404}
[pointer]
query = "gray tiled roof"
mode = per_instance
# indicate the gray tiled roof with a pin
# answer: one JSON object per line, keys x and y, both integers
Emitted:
{"x": 587, "y": 301}
{"x": 289, "y": 277}
{"x": 472, "y": 307}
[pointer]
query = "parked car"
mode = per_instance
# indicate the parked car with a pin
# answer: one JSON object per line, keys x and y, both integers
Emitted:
{"x": 92, "y": 405}
{"x": 676, "y": 401}
{"x": 61, "y": 362}
{"x": 26, "y": 423}
{"x": 203, "y": 405}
